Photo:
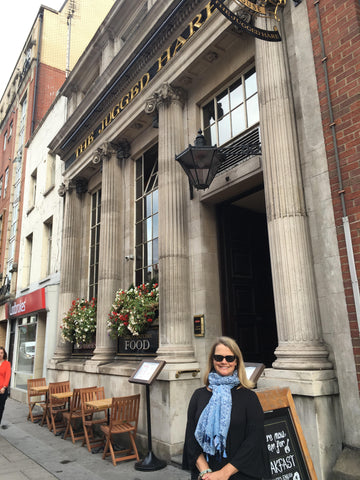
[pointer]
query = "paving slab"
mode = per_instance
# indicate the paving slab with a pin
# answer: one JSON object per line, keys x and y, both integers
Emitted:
{"x": 31, "y": 452}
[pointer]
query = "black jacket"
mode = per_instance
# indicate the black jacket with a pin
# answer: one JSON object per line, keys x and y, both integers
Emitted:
{"x": 245, "y": 444}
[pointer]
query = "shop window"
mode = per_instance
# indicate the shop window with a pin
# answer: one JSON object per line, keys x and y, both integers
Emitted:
{"x": 94, "y": 243}
{"x": 147, "y": 217}
{"x": 25, "y": 351}
{"x": 233, "y": 111}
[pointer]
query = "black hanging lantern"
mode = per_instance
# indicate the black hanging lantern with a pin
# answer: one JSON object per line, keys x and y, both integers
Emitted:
{"x": 200, "y": 162}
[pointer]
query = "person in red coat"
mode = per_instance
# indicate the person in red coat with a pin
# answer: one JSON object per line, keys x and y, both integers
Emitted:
{"x": 5, "y": 374}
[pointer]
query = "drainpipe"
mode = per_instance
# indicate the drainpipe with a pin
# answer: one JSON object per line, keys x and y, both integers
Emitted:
{"x": 69, "y": 17}
{"x": 41, "y": 17}
{"x": 345, "y": 219}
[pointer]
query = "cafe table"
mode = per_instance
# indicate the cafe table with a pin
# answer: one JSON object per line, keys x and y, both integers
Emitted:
{"x": 101, "y": 404}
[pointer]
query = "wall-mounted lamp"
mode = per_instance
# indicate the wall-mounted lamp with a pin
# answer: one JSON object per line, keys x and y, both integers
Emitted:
{"x": 200, "y": 162}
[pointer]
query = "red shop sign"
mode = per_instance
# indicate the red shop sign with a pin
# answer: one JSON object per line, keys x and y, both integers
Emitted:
{"x": 32, "y": 302}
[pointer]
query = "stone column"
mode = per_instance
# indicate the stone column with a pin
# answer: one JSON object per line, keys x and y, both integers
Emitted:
{"x": 297, "y": 312}
{"x": 175, "y": 317}
{"x": 70, "y": 263}
{"x": 111, "y": 248}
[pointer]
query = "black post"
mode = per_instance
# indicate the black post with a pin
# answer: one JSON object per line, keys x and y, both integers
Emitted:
{"x": 150, "y": 462}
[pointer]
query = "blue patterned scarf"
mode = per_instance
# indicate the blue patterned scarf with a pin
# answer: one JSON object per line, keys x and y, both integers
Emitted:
{"x": 213, "y": 425}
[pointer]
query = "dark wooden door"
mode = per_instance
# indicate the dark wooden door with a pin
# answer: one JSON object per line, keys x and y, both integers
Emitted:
{"x": 248, "y": 312}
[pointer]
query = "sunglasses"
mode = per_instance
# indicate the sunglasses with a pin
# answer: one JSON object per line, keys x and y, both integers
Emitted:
{"x": 220, "y": 358}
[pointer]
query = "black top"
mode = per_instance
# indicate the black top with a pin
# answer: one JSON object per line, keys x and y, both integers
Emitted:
{"x": 245, "y": 443}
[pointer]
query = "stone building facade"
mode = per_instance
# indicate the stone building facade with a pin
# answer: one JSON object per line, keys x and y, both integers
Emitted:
{"x": 256, "y": 254}
{"x": 52, "y": 47}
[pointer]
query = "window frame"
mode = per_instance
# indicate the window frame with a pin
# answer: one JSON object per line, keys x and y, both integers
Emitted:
{"x": 216, "y": 113}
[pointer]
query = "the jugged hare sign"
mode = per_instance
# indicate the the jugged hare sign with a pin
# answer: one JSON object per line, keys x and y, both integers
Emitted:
{"x": 286, "y": 445}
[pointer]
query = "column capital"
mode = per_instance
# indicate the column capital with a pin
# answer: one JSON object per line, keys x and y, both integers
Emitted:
{"x": 108, "y": 149}
{"x": 67, "y": 186}
{"x": 104, "y": 152}
{"x": 165, "y": 96}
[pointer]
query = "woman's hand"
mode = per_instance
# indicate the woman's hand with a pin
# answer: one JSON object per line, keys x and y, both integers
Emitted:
{"x": 2, "y": 391}
{"x": 223, "y": 474}
{"x": 219, "y": 475}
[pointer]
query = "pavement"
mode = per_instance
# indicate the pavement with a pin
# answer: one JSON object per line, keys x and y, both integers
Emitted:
{"x": 31, "y": 452}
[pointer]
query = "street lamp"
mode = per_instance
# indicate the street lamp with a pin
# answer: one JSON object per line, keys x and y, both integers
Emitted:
{"x": 200, "y": 162}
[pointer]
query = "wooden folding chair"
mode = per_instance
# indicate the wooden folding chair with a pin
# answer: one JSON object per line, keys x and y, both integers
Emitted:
{"x": 57, "y": 407}
{"x": 35, "y": 398}
{"x": 124, "y": 416}
{"x": 87, "y": 414}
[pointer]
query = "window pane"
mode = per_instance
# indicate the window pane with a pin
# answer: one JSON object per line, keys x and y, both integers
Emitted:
{"x": 148, "y": 229}
{"x": 139, "y": 187}
{"x": 138, "y": 257}
{"x": 138, "y": 168}
{"x": 138, "y": 235}
{"x": 156, "y": 251}
{"x": 213, "y": 137}
{"x": 138, "y": 209}
{"x": 252, "y": 110}
{"x": 222, "y": 104}
{"x": 209, "y": 114}
{"x": 147, "y": 212}
{"x": 250, "y": 83}
{"x": 155, "y": 225}
{"x": 149, "y": 253}
{"x": 155, "y": 201}
{"x": 224, "y": 130}
{"x": 238, "y": 120}
{"x": 236, "y": 94}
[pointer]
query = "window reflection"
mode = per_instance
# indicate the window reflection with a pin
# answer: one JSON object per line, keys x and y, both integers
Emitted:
{"x": 25, "y": 351}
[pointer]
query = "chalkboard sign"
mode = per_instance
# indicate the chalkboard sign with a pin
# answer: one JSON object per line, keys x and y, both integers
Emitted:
{"x": 288, "y": 453}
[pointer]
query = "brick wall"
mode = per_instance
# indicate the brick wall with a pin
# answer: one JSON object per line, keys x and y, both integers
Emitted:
{"x": 340, "y": 24}
{"x": 49, "y": 81}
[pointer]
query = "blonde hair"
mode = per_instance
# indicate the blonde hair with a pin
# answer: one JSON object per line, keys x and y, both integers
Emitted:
{"x": 233, "y": 346}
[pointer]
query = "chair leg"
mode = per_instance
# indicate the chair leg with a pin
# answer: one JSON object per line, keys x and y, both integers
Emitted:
{"x": 106, "y": 448}
{"x": 68, "y": 427}
{"x": 112, "y": 451}
{"x": 132, "y": 440}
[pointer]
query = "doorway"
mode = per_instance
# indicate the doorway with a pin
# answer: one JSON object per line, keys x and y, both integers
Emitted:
{"x": 248, "y": 312}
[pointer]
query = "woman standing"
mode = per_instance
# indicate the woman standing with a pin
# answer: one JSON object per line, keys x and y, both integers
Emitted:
{"x": 5, "y": 374}
{"x": 225, "y": 428}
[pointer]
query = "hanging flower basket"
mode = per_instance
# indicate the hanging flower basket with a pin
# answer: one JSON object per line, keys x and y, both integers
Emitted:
{"x": 134, "y": 310}
{"x": 79, "y": 324}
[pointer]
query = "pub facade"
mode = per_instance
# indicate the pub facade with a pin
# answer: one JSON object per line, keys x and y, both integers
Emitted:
{"x": 254, "y": 256}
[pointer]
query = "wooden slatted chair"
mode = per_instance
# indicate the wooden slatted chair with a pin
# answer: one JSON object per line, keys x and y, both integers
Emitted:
{"x": 124, "y": 416}
{"x": 90, "y": 417}
{"x": 36, "y": 399}
{"x": 71, "y": 415}
{"x": 57, "y": 407}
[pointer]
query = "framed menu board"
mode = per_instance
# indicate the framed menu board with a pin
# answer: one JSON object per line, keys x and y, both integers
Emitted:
{"x": 147, "y": 371}
{"x": 288, "y": 453}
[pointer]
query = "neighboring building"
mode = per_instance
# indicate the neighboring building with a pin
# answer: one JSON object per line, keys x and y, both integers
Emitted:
{"x": 53, "y": 46}
{"x": 40, "y": 250}
{"x": 259, "y": 254}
